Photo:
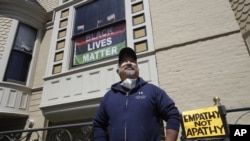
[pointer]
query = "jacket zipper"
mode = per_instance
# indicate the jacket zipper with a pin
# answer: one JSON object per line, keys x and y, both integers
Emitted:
{"x": 125, "y": 138}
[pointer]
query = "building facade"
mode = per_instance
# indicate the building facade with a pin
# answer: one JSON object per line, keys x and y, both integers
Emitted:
{"x": 59, "y": 57}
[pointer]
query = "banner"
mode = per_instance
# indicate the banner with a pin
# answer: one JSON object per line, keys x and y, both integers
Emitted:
{"x": 204, "y": 122}
{"x": 99, "y": 44}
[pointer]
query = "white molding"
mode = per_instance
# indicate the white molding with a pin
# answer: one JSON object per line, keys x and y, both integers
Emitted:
{"x": 14, "y": 99}
{"x": 33, "y": 63}
{"x": 8, "y": 48}
{"x": 90, "y": 84}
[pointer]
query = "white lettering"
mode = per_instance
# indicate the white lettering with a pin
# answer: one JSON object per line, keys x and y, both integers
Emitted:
{"x": 89, "y": 47}
{"x": 100, "y": 44}
{"x": 91, "y": 57}
{"x": 114, "y": 50}
{"x": 96, "y": 55}
{"x": 109, "y": 41}
{"x": 239, "y": 132}
{"x": 85, "y": 58}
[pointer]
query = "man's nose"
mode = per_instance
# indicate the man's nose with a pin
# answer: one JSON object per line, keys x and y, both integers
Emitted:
{"x": 128, "y": 62}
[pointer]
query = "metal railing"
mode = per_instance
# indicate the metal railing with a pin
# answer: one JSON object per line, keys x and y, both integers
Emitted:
{"x": 83, "y": 132}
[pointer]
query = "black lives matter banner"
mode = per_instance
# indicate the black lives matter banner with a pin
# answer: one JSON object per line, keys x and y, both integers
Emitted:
{"x": 203, "y": 123}
{"x": 99, "y": 44}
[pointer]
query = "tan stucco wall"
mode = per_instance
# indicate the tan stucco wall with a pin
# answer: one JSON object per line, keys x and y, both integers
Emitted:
{"x": 41, "y": 64}
{"x": 207, "y": 56}
{"x": 34, "y": 111}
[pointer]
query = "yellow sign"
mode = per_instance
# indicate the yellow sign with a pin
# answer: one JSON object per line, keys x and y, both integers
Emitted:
{"x": 205, "y": 122}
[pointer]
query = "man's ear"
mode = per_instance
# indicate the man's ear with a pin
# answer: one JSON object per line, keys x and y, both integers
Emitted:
{"x": 117, "y": 70}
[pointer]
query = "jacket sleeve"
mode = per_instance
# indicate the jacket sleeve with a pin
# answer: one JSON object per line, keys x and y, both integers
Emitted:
{"x": 167, "y": 110}
{"x": 100, "y": 123}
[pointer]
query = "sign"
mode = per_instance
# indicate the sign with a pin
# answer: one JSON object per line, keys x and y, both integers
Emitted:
{"x": 204, "y": 122}
{"x": 99, "y": 44}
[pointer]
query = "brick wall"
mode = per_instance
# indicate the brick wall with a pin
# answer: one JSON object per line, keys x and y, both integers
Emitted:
{"x": 179, "y": 21}
{"x": 201, "y": 54}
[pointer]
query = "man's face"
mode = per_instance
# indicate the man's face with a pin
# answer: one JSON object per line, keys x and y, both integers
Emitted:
{"x": 128, "y": 68}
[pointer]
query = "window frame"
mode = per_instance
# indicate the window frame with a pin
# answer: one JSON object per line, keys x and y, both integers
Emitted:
{"x": 18, "y": 51}
{"x": 66, "y": 63}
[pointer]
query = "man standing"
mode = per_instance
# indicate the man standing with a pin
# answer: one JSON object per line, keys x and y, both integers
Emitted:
{"x": 132, "y": 109}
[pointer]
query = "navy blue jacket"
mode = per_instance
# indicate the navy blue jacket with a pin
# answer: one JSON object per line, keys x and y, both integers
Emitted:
{"x": 134, "y": 116}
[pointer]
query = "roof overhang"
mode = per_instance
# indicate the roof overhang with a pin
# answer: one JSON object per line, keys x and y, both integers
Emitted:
{"x": 24, "y": 11}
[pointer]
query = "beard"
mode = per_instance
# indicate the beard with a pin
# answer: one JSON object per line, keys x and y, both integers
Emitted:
{"x": 129, "y": 73}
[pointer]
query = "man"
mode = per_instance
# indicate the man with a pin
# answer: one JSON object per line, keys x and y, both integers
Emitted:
{"x": 132, "y": 109}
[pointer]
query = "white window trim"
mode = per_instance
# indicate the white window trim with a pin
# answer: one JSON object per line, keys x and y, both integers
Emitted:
{"x": 9, "y": 46}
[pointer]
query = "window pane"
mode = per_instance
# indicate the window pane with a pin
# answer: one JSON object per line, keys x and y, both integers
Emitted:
{"x": 25, "y": 38}
{"x": 141, "y": 46}
{"x": 97, "y": 14}
{"x": 140, "y": 32}
{"x": 21, "y": 54}
{"x": 138, "y": 19}
{"x": 137, "y": 7}
{"x": 65, "y": 13}
{"x": 18, "y": 67}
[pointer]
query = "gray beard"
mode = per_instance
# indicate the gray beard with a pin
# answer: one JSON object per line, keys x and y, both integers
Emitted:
{"x": 130, "y": 72}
